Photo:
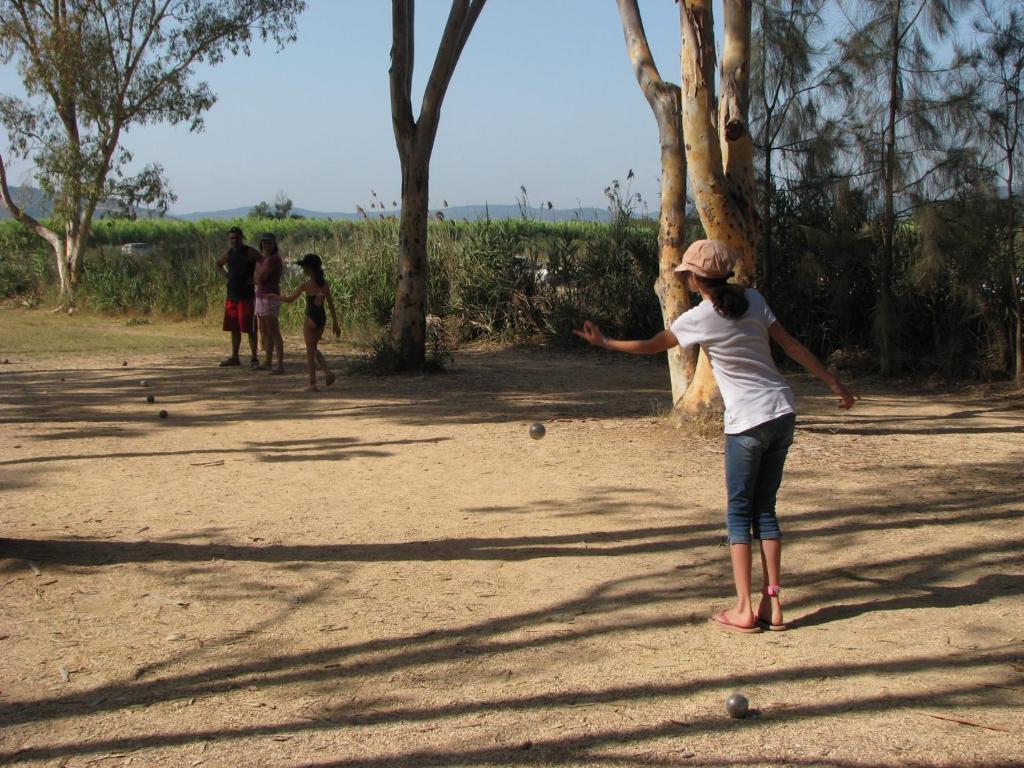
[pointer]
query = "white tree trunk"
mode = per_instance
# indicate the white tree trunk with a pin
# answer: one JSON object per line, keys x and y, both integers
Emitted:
{"x": 719, "y": 150}
{"x": 665, "y": 101}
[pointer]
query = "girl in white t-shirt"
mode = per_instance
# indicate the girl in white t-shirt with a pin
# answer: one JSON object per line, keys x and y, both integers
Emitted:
{"x": 733, "y": 325}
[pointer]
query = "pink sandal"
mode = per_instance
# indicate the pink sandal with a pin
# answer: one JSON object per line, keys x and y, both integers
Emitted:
{"x": 772, "y": 590}
{"x": 722, "y": 621}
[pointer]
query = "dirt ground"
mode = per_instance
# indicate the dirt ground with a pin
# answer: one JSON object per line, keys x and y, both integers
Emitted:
{"x": 392, "y": 573}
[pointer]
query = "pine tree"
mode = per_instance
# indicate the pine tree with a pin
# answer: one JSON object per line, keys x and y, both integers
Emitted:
{"x": 899, "y": 116}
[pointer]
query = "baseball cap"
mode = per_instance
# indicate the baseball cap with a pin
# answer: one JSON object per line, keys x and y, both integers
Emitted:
{"x": 268, "y": 237}
{"x": 708, "y": 258}
{"x": 310, "y": 260}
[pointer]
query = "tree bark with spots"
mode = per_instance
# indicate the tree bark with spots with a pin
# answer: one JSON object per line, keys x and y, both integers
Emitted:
{"x": 719, "y": 149}
{"x": 664, "y": 98}
{"x": 415, "y": 140}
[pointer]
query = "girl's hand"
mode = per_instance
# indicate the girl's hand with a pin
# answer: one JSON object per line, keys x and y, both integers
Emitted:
{"x": 845, "y": 395}
{"x": 592, "y": 334}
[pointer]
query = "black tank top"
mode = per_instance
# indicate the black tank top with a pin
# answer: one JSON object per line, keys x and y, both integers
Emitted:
{"x": 241, "y": 268}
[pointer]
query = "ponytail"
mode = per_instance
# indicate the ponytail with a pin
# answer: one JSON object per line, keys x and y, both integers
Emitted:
{"x": 727, "y": 298}
{"x": 320, "y": 279}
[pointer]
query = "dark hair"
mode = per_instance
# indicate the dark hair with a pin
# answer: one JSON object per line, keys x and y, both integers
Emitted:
{"x": 313, "y": 263}
{"x": 269, "y": 238}
{"x": 727, "y": 298}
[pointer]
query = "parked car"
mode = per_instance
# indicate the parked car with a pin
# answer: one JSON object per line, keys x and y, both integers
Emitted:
{"x": 137, "y": 249}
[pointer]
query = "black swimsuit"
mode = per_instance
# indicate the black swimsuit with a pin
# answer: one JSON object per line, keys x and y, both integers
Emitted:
{"x": 317, "y": 314}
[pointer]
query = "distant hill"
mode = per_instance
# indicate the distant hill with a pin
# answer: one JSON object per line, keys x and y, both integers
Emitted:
{"x": 38, "y": 205}
{"x": 31, "y": 200}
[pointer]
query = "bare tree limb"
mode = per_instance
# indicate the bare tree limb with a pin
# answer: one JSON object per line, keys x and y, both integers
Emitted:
{"x": 400, "y": 73}
{"x": 20, "y": 214}
{"x": 460, "y": 23}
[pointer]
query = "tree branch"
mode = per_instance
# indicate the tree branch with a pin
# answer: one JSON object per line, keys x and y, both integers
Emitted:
{"x": 460, "y": 23}
{"x": 20, "y": 215}
{"x": 400, "y": 73}
{"x": 639, "y": 51}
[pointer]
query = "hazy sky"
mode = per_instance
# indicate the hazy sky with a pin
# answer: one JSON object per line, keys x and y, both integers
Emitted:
{"x": 543, "y": 96}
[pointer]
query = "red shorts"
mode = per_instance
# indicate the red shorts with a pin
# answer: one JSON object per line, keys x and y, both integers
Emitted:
{"x": 238, "y": 315}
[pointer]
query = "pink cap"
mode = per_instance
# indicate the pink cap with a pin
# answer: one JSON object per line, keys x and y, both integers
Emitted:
{"x": 708, "y": 258}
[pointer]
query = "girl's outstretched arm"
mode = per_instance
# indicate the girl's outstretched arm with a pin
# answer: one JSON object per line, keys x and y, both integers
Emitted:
{"x": 294, "y": 294}
{"x": 334, "y": 315}
{"x": 806, "y": 358}
{"x": 660, "y": 342}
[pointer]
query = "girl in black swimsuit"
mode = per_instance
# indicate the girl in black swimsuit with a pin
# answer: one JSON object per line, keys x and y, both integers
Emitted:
{"x": 318, "y": 293}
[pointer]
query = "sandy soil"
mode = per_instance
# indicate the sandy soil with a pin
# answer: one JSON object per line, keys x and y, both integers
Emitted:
{"x": 392, "y": 573}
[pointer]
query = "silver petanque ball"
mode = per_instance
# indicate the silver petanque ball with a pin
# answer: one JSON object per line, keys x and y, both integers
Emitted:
{"x": 737, "y": 705}
{"x": 537, "y": 431}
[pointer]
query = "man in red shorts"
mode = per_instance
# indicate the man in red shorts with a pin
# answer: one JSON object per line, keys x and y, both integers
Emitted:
{"x": 238, "y": 266}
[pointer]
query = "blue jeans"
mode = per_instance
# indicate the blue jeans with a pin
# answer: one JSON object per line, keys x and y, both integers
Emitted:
{"x": 753, "y": 472}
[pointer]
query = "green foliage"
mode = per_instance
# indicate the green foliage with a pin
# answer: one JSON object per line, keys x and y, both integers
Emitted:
{"x": 522, "y": 281}
{"x": 90, "y": 71}
{"x": 500, "y": 280}
{"x": 949, "y": 280}
{"x": 25, "y": 269}
{"x": 170, "y": 280}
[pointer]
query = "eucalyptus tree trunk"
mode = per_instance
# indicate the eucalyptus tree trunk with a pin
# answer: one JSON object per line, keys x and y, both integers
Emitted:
{"x": 665, "y": 101}
{"x": 414, "y": 138}
{"x": 767, "y": 260}
{"x": 409, "y": 318}
{"x": 719, "y": 148}
{"x": 59, "y": 245}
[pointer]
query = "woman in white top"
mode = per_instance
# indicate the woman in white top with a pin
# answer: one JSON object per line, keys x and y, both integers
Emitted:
{"x": 733, "y": 325}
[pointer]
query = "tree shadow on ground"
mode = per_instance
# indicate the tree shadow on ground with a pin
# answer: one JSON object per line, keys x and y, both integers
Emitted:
{"x": 508, "y": 385}
{"x": 997, "y": 417}
{"x": 319, "y": 449}
{"x": 925, "y": 596}
{"x": 497, "y": 386}
{"x": 943, "y": 578}
{"x": 544, "y": 751}
{"x": 876, "y": 431}
{"x": 944, "y": 505}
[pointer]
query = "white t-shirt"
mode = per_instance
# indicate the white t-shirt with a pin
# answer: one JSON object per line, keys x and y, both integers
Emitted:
{"x": 752, "y": 387}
